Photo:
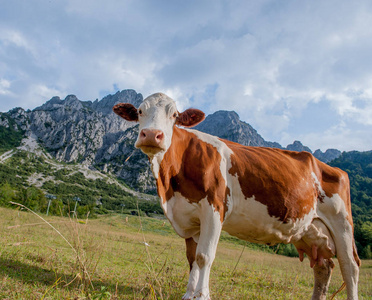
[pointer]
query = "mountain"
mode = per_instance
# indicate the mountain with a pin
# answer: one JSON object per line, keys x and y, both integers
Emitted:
{"x": 89, "y": 133}
{"x": 297, "y": 146}
{"x": 327, "y": 156}
{"x": 86, "y": 132}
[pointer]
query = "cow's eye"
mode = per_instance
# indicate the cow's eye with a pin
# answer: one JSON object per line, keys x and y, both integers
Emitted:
{"x": 140, "y": 111}
{"x": 175, "y": 115}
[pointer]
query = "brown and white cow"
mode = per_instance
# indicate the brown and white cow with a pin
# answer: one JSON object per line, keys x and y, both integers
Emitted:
{"x": 261, "y": 195}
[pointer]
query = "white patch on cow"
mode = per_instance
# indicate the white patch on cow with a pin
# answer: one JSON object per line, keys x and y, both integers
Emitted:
{"x": 333, "y": 213}
{"x": 210, "y": 230}
{"x": 193, "y": 280}
{"x": 155, "y": 164}
{"x": 333, "y": 206}
{"x": 183, "y": 215}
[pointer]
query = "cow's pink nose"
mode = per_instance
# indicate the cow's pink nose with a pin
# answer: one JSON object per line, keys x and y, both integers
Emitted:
{"x": 151, "y": 137}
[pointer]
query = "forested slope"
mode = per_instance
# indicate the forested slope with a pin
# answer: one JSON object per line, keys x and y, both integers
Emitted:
{"x": 359, "y": 167}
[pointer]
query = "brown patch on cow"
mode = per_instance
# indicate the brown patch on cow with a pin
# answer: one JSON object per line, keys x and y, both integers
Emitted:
{"x": 279, "y": 179}
{"x": 201, "y": 260}
{"x": 192, "y": 168}
{"x": 190, "y": 251}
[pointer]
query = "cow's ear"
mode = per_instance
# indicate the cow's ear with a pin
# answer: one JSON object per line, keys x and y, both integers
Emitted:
{"x": 127, "y": 111}
{"x": 190, "y": 117}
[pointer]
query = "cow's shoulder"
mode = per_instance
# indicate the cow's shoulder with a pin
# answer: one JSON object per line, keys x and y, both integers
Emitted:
{"x": 192, "y": 168}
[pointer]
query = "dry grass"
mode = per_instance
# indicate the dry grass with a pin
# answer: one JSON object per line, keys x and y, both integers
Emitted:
{"x": 36, "y": 263}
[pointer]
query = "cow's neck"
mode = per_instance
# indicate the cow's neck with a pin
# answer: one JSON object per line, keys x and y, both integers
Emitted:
{"x": 156, "y": 160}
{"x": 168, "y": 164}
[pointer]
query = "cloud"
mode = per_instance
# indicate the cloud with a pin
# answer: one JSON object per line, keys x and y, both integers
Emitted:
{"x": 279, "y": 64}
{"x": 4, "y": 87}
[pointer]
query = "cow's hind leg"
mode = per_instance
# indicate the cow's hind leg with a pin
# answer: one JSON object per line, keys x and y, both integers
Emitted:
{"x": 343, "y": 237}
{"x": 322, "y": 278}
{"x": 194, "y": 270}
{"x": 348, "y": 260}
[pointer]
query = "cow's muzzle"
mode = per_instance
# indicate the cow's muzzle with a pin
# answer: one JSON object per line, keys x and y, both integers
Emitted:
{"x": 150, "y": 141}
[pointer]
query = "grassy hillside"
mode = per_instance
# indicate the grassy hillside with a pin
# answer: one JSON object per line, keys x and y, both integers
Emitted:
{"x": 28, "y": 178}
{"x": 108, "y": 259}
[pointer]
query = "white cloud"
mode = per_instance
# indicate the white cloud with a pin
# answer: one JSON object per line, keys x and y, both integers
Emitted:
{"x": 338, "y": 137}
{"x": 14, "y": 37}
{"x": 4, "y": 87}
{"x": 39, "y": 91}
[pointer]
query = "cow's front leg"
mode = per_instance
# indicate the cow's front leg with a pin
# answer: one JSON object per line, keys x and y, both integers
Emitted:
{"x": 210, "y": 230}
{"x": 194, "y": 270}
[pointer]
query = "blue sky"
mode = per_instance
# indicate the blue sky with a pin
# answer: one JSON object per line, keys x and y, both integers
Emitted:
{"x": 294, "y": 70}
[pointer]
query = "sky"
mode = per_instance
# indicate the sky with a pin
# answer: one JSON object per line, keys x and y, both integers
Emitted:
{"x": 293, "y": 69}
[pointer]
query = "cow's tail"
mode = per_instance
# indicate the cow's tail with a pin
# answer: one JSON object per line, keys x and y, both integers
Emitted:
{"x": 359, "y": 263}
{"x": 339, "y": 290}
{"x": 356, "y": 257}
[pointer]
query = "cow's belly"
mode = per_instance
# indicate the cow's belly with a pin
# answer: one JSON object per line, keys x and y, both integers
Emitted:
{"x": 249, "y": 220}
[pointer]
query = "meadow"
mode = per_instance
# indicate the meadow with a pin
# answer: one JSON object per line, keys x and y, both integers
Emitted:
{"x": 129, "y": 257}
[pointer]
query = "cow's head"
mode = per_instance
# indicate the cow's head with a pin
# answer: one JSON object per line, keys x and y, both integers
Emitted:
{"x": 157, "y": 116}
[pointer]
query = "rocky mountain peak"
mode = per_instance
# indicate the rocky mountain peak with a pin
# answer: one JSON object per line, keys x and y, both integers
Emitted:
{"x": 227, "y": 125}
{"x": 297, "y": 146}
{"x": 55, "y": 102}
{"x": 72, "y": 101}
{"x": 127, "y": 96}
{"x": 231, "y": 115}
{"x": 327, "y": 156}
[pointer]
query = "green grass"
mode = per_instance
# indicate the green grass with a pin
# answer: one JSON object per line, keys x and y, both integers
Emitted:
{"x": 109, "y": 260}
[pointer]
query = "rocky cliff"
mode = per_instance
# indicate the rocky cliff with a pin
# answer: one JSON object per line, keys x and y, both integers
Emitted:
{"x": 88, "y": 133}
{"x": 327, "y": 156}
{"x": 227, "y": 125}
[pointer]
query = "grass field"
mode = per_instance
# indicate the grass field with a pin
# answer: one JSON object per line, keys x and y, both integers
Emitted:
{"x": 112, "y": 258}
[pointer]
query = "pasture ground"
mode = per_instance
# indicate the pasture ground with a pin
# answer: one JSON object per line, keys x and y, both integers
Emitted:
{"x": 113, "y": 258}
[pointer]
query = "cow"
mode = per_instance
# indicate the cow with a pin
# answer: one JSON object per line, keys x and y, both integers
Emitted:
{"x": 261, "y": 195}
